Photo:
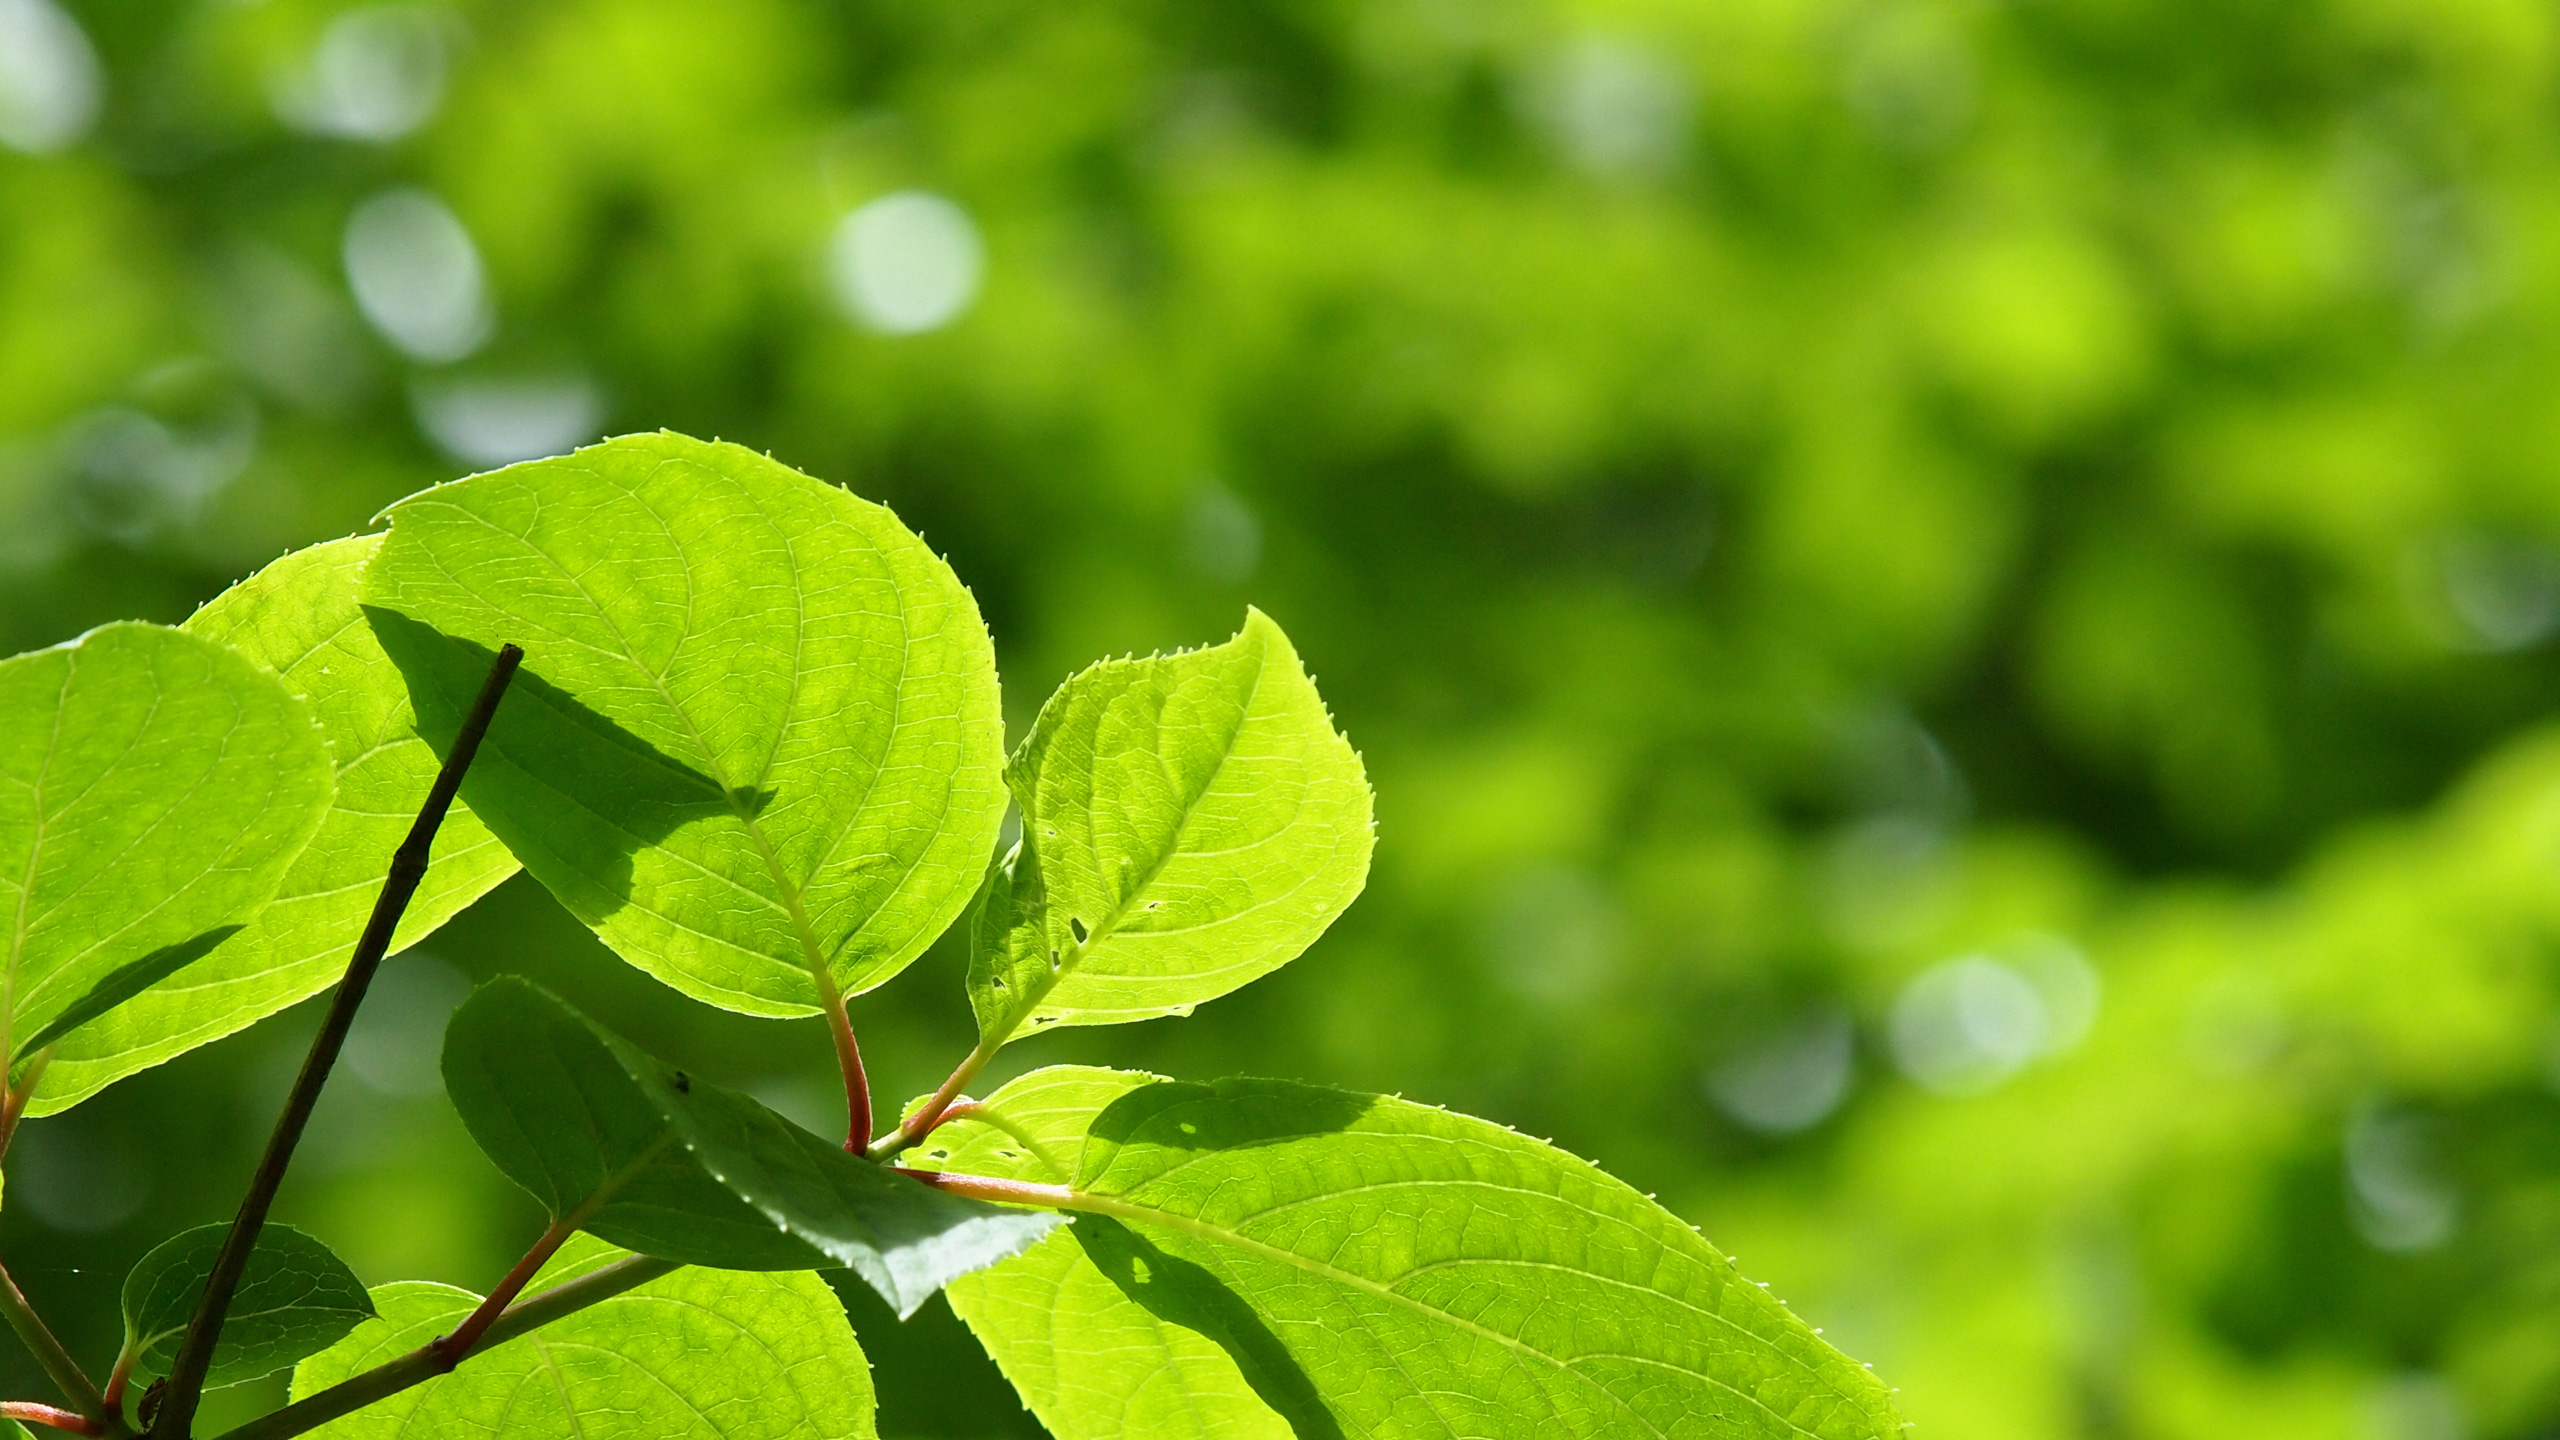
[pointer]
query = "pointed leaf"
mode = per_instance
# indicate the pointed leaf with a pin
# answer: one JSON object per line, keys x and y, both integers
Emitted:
{"x": 154, "y": 786}
{"x": 758, "y": 729}
{"x": 298, "y": 617}
{"x": 1380, "y": 1267}
{"x": 1190, "y": 822}
{"x": 694, "y": 1355}
{"x": 297, "y": 1298}
{"x": 652, "y": 1159}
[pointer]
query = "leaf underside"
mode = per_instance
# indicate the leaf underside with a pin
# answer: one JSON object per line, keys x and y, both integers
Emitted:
{"x": 693, "y": 1355}
{"x": 676, "y": 1167}
{"x": 296, "y": 1298}
{"x": 1368, "y": 1266}
{"x": 154, "y": 787}
{"x": 299, "y": 618}
{"x": 1190, "y": 822}
{"x": 757, "y": 730}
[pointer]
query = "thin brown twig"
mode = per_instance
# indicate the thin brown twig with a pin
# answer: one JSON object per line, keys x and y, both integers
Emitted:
{"x": 176, "y": 1416}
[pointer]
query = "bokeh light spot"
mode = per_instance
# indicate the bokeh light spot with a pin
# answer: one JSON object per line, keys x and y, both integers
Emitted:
{"x": 906, "y": 263}
{"x": 417, "y": 276}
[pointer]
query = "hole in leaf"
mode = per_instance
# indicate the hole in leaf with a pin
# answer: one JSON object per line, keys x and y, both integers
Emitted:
{"x": 1077, "y": 926}
{"x": 937, "y": 1154}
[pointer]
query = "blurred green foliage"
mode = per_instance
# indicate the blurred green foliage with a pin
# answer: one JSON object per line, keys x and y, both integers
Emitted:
{"x": 1953, "y": 603}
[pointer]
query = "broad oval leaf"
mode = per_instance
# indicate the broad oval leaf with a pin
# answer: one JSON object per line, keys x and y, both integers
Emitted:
{"x": 1190, "y": 822}
{"x": 154, "y": 786}
{"x": 297, "y": 1298}
{"x": 1371, "y": 1266}
{"x": 654, "y": 1160}
{"x": 693, "y": 1355}
{"x": 757, "y": 732}
{"x": 298, "y": 617}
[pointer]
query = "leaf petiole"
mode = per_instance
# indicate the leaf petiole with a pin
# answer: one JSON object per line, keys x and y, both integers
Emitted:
{"x": 927, "y": 1117}
{"x": 57, "y": 1362}
{"x": 59, "y": 1419}
{"x": 176, "y": 1416}
{"x": 1003, "y": 1192}
{"x": 13, "y": 1107}
{"x": 857, "y": 1084}
{"x": 453, "y": 1346}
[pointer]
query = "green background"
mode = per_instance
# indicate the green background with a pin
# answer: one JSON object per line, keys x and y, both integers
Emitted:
{"x": 1950, "y": 605}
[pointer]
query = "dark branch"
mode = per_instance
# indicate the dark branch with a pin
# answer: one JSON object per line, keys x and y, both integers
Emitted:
{"x": 429, "y": 1361}
{"x": 177, "y": 1411}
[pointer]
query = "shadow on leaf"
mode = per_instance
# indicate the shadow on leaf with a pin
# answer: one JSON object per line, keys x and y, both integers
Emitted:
{"x": 623, "y": 794}
{"x": 126, "y": 982}
{"x": 1179, "y": 1292}
{"x": 1224, "y": 1115}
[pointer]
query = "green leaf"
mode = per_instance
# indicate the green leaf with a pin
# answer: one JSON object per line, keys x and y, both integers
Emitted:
{"x": 295, "y": 1299}
{"x": 758, "y": 732}
{"x": 154, "y": 786}
{"x": 299, "y": 618}
{"x": 1369, "y": 1266}
{"x": 652, "y": 1159}
{"x": 1090, "y": 1361}
{"x": 694, "y": 1355}
{"x": 1191, "y": 822}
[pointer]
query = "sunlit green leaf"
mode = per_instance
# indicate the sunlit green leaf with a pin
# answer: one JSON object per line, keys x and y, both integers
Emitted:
{"x": 757, "y": 730}
{"x": 1091, "y": 1362}
{"x": 297, "y": 1298}
{"x": 694, "y": 1355}
{"x": 1371, "y": 1266}
{"x": 154, "y": 786}
{"x": 298, "y": 617}
{"x": 1190, "y": 822}
{"x": 653, "y": 1159}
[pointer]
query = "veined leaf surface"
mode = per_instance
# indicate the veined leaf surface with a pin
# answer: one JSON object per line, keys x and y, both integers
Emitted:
{"x": 1190, "y": 822}
{"x": 154, "y": 786}
{"x": 757, "y": 731}
{"x": 668, "y": 1165}
{"x": 693, "y": 1355}
{"x": 1092, "y": 1362}
{"x": 297, "y": 1298}
{"x": 1383, "y": 1268}
{"x": 298, "y": 617}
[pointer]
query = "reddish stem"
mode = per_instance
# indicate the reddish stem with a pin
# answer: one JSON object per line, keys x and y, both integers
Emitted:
{"x": 1008, "y": 1192}
{"x": 14, "y": 1107}
{"x": 54, "y": 1416}
{"x": 857, "y": 1085}
{"x": 449, "y": 1349}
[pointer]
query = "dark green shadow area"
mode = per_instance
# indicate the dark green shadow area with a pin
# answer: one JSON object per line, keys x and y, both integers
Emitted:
{"x": 128, "y": 981}
{"x": 1179, "y": 1292}
{"x": 931, "y": 1376}
{"x": 1222, "y": 1115}
{"x": 622, "y": 794}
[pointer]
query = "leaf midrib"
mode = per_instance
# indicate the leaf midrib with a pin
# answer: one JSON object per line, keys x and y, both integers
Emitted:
{"x": 1105, "y": 928}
